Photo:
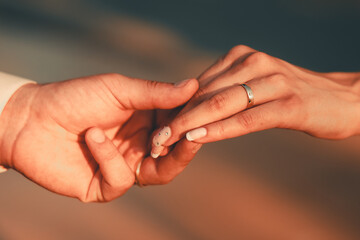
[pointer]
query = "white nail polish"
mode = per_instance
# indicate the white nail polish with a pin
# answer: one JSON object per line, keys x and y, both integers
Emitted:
{"x": 156, "y": 151}
{"x": 155, "y": 155}
{"x": 196, "y": 134}
{"x": 161, "y": 137}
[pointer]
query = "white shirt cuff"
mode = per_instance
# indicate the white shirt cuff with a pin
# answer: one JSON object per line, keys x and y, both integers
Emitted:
{"x": 9, "y": 84}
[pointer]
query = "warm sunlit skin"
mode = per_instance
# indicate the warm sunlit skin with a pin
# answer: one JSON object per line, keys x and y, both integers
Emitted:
{"x": 46, "y": 133}
{"x": 325, "y": 105}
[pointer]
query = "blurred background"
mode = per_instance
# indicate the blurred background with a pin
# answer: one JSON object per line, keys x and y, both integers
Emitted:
{"x": 275, "y": 184}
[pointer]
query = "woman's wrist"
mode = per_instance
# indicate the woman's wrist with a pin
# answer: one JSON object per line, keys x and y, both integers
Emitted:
{"x": 13, "y": 119}
{"x": 356, "y": 86}
{"x": 352, "y": 81}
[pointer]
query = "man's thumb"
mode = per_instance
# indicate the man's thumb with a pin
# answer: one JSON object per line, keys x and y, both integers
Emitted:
{"x": 144, "y": 94}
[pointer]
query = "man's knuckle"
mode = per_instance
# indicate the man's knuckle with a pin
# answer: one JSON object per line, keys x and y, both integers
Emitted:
{"x": 151, "y": 85}
{"x": 121, "y": 183}
{"x": 110, "y": 155}
{"x": 127, "y": 183}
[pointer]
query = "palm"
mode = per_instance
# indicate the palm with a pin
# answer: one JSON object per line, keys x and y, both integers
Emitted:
{"x": 60, "y": 159}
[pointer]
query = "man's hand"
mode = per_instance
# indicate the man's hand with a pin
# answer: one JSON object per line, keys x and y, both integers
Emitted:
{"x": 53, "y": 133}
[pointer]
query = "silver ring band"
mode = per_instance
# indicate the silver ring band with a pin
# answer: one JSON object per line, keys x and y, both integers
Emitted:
{"x": 249, "y": 94}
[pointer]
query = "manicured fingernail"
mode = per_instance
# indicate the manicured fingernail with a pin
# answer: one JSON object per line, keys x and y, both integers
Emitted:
{"x": 196, "y": 134}
{"x": 182, "y": 83}
{"x": 155, "y": 155}
{"x": 161, "y": 137}
{"x": 97, "y": 135}
{"x": 156, "y": 151}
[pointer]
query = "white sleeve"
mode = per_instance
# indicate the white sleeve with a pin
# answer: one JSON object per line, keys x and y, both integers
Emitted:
{"x": 8, "y": 86}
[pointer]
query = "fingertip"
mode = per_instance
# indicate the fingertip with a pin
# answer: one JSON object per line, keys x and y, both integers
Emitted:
{"x": 182, "y": 83}
{"x": 155, "y": 155}
{"x": 184, "y": 91}
{"x": 156, "y": 151}
{"x": 96, "y": 135}
{"x": 187, "y": 82}
{"x": 192, "y": 85}
{"x": 188, "y": 137}
{"x": 196, "y": 134}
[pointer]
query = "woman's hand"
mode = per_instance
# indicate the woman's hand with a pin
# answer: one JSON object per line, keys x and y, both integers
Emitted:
{"x": 53, "y": 134}
{"x": 325, "y": 105}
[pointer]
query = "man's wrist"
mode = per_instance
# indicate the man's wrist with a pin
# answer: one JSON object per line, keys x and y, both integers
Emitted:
{"x": 13, "y": 119}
